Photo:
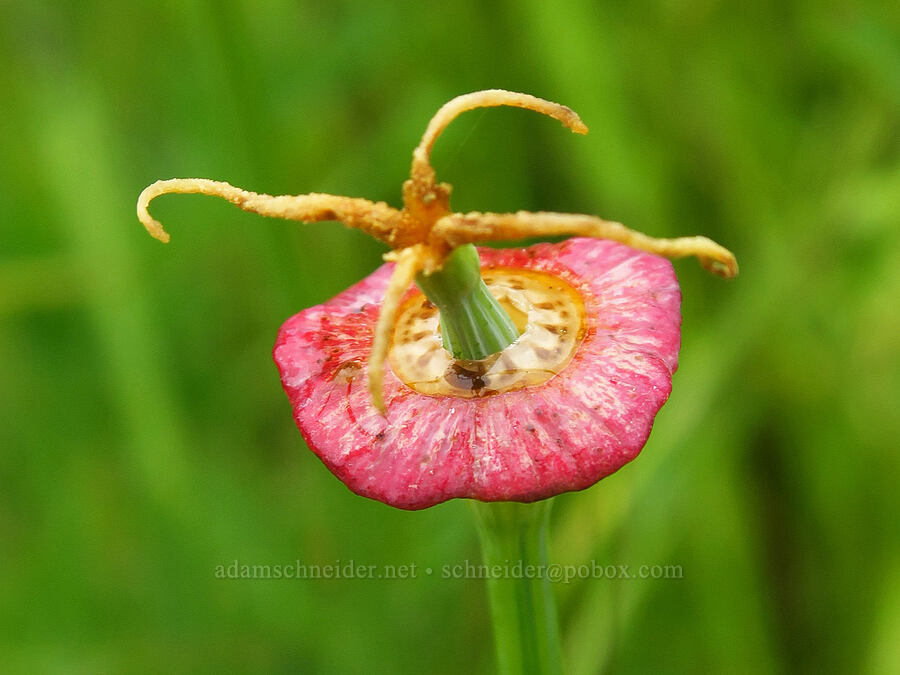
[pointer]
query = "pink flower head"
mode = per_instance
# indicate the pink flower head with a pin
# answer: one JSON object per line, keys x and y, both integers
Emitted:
{"x": 525, "y": 444}
{"x": 570, "y": 401}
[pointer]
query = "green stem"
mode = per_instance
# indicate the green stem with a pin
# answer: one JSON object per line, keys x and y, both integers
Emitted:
{"x": 514, "y": 543}
{"x": 513, "y": 535}
{"x": 473, "y": 324}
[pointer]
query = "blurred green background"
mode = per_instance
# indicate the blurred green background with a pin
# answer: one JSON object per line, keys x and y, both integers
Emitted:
{"x": 145, "y": 438}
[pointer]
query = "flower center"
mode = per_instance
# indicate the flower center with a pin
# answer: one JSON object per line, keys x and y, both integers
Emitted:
{"x": 547, "y": 311}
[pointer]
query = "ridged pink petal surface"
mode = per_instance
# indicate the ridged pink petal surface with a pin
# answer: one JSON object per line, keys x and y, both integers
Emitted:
{"x": 523, "y": 445}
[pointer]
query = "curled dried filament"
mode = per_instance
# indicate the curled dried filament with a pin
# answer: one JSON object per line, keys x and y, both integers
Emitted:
{"x": 409, "y": 261}
{"x": 374, "y": 218}
{"x": 422, "y": 171}
{"x": 458, "y": 229}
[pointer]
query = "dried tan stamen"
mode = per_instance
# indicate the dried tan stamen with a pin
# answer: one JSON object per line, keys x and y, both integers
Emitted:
{"x": 457, "y": 229}
{"x": 375, "y": 218}
{"x": 489, "y": 98}
{"x": 422, "y": 176}
{"x": 409, "y": 261}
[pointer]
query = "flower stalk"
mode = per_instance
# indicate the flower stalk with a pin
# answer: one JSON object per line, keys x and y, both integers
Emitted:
{"x": 514, "y": 542}
{"x": 513, "y": 535}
